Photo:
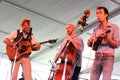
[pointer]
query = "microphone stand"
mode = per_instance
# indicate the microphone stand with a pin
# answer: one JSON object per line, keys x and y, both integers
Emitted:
{"x": 15, "y": 58}
{"x": 51, "y": 74}
{"x": 65, "y": 64}
{"x": 66, "y": 59}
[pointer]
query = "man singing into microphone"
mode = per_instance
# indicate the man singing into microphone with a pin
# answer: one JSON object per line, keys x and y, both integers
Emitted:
{"x": 22, "y": 35}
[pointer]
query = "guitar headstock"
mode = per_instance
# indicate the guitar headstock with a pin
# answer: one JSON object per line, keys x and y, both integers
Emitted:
{"x": 52, "y": 40}
{"x": 107, "y": 30}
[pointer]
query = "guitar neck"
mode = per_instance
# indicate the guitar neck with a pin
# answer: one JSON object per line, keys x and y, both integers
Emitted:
{"x": 49, "y": 41}
{"x": 43, "y": 42}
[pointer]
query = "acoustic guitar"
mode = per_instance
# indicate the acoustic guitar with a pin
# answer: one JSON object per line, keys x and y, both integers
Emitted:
{"x": 22, "y": 48}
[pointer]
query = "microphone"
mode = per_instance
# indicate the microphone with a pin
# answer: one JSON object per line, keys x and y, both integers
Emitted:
{"x": 29, "y": 34}
{"x": 30, "y": 31}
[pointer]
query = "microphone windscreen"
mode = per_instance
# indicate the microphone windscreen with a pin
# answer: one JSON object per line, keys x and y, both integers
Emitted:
{"x": 30, "y": 31}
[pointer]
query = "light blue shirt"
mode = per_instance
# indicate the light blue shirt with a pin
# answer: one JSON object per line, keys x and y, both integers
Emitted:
{"x": 78, "y": 52}
{"x": 105, "y": 46}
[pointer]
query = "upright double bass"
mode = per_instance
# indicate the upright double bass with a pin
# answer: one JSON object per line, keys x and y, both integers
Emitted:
{"x": 68, "y": 55}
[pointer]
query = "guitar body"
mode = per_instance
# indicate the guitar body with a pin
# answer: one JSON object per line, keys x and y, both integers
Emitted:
{"x": 97, "y": 43}
{"x": 22, "y": 48}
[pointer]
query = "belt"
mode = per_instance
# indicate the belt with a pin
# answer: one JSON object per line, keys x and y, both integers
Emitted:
{"x": 103, "y": 55}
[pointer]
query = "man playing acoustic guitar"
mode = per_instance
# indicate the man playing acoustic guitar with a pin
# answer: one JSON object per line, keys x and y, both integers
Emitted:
{"x": 19, "y": 48}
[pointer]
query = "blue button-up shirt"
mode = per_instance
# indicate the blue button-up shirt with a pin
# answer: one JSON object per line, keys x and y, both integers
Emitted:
{"x": 105, "y": 46}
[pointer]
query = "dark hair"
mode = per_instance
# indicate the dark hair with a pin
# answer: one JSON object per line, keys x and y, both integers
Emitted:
{"x": 105, "y": 10}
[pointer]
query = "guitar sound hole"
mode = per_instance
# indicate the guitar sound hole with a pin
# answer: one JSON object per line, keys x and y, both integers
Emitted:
{"x": 23, "y": 49}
